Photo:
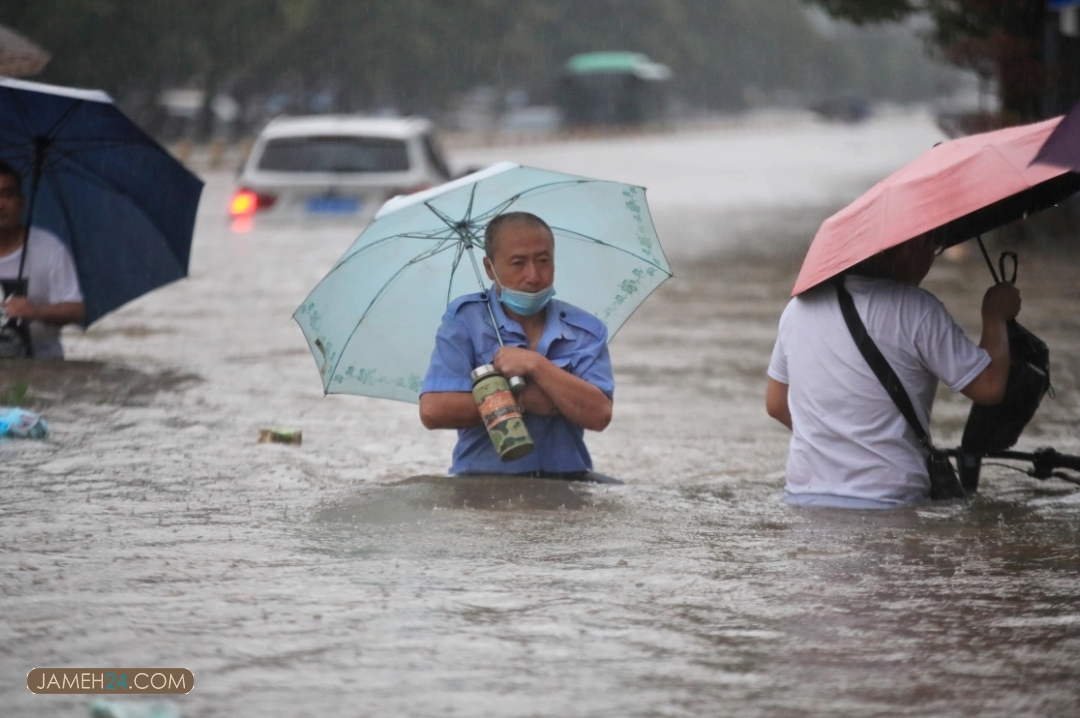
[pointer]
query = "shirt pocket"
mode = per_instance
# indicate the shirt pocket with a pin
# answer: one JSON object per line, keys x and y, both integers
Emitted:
{"x": 562, "y": 354}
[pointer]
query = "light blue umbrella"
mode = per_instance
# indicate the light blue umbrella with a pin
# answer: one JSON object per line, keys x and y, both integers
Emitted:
{"x": 371, "y": 321}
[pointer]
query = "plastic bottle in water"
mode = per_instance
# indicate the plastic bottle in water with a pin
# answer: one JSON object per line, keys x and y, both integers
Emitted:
{"x": 21, "y": 424}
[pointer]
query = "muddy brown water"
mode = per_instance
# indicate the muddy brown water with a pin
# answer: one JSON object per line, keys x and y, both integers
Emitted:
{"x": 345, "y": 576}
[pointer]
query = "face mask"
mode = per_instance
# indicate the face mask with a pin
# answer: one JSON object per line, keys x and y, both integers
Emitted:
{"x": 524, "y": 304}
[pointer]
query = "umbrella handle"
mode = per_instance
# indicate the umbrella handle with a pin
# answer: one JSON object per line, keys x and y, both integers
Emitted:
{"x": 1001, "y": 266}
{"x": 517, "y": 384}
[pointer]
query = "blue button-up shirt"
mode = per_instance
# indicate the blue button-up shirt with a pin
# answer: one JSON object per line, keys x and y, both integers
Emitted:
{"x": 573, "y": 340}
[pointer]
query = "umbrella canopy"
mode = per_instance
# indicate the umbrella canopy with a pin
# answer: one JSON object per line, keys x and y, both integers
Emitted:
{"x": 121, "y": 203}
{"x": 1062, "y": 147}
{"x": 961, "y": 188}
{"x": 19, "y": 56}
{"x": 371, "y": 322}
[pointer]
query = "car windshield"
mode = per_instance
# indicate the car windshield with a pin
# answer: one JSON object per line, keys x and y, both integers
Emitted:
{"x": 335, "y": 154}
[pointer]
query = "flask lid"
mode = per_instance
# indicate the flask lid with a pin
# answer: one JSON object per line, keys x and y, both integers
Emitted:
{"x": 482, "y": 372}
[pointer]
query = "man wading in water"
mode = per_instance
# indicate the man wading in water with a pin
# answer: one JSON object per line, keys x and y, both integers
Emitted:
{"x": 559, "y": 349}
{"x": 850, "y": 445}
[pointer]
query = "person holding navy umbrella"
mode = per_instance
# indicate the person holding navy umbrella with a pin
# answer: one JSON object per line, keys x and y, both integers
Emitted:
{"x": 40, "y": 286}
{"x": 121, "y": 207}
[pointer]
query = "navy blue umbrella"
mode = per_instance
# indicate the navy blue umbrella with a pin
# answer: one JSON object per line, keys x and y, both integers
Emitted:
{"x": 121, "y": 203}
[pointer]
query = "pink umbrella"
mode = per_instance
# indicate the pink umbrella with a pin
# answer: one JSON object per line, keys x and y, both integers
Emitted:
{"x": 962, "y": 188}
{"x": 1062, "y": 147}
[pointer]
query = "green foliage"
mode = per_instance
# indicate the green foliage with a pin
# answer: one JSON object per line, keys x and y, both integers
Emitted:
{"x": 15, "y": 394}
{"x": 868, "y": 11}
{"x": 1000, "y": 39}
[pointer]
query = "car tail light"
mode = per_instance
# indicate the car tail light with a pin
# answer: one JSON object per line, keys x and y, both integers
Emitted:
{"x": 246, "y": 202}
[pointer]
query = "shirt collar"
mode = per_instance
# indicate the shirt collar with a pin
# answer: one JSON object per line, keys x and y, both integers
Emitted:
{"x": 555, "y": 326}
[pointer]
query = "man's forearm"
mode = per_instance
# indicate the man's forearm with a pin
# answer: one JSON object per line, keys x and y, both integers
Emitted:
{"x": 578, "y": 400}
{"x": 533, "y": 400}
{"x": 995, "y": 340}
{"x": 989, "y": 386}
{"x": 1000, "y": 303}
{"x": 59, "y": 314}
{"x": 449, "y": 410}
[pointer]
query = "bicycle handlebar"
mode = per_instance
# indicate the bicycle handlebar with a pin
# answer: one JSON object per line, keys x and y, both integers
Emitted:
{"x": 1046, "y": 460}
{"x": 1043, "y": 461}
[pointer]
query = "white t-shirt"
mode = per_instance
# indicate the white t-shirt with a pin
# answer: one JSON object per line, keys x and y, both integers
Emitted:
{"x": 51, "y": 279}
{"x": 848, "y": 438}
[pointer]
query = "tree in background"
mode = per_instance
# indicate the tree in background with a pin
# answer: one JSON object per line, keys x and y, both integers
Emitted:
{"x": 416, "y": 55}
{"x": 136, "y": 48}
{"x": 997, "y": 39}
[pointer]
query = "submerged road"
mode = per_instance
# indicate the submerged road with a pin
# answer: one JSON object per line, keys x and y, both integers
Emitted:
{"x": 343, "y": 577}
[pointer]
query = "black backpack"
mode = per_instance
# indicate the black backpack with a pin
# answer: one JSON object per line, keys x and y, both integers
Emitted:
{"x": 996, "y": 428}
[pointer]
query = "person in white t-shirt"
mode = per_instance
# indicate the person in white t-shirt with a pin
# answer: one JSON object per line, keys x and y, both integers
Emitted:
{"x": 850, "y": 445}
{"x": 53, "y": 297}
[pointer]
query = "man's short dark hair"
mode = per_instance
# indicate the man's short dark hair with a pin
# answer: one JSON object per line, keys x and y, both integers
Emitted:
{"x": 16, "y": 176}
{"x": 492, "y": 230}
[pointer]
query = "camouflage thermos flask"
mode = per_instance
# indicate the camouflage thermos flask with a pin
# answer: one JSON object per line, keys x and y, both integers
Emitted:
{"x": 501, "y": 413}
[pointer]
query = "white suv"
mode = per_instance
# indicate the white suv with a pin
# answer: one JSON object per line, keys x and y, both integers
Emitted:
{"x": 336, "y": 166}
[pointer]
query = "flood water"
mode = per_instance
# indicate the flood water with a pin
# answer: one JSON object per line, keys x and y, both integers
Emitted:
{"x": 345, "y": 577}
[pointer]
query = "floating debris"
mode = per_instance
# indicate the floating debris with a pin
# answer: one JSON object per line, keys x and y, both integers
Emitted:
{"x": 280, "y": 436}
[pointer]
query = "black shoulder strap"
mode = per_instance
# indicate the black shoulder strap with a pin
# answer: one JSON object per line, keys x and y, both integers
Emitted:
{"x": 877, "y": 361}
